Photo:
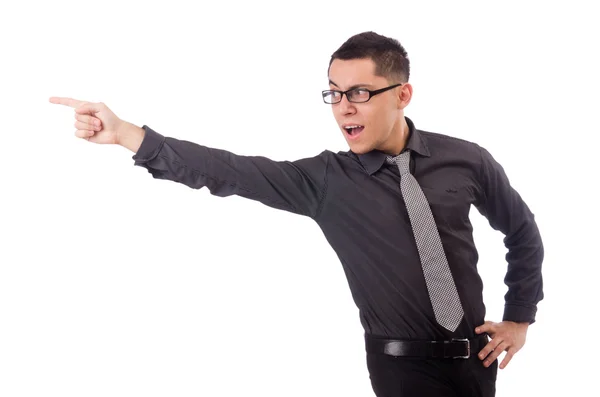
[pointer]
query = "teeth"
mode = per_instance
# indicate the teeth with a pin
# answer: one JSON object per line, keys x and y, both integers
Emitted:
{"x": 352, "y": 126}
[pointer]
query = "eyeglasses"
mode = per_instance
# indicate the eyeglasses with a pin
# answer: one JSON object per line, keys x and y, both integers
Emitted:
{"x": 356, "y": 95}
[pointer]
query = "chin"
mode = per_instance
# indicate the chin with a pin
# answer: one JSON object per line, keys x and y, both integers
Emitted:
{"x": 360, "y": 149}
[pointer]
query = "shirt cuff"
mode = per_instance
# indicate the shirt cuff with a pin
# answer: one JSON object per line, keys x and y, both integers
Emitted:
{"x": 150, "y": 147}
{"x": 519, "y": 314}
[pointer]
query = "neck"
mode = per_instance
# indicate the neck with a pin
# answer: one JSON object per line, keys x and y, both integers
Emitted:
{"x": 398, "y": 137}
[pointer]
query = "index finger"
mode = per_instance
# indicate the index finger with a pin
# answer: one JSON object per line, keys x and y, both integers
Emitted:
{"x": 74, "y": 103}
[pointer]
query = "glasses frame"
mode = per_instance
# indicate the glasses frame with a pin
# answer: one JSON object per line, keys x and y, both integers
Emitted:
{"x": 371, "y": 93}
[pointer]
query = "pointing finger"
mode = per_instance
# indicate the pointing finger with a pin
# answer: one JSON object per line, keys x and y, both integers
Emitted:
{"x": 74, "y": 103}
{"x": 89, "y": 108}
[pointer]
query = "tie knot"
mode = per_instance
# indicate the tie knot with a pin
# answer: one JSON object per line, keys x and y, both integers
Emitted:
{"x": 402, "y": 161}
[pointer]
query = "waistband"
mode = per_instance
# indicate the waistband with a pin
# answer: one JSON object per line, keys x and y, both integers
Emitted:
{"x": 453, "y": 348}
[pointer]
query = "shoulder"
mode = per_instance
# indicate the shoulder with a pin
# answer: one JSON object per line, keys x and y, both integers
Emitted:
{"x": 436, "y": 140}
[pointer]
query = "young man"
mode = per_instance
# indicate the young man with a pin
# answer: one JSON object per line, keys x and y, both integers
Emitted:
{"x": 395, "y": 208}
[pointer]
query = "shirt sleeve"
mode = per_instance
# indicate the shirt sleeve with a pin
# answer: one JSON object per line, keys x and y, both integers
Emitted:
{"x": 508, "y": 213}
{"x": 296, "y": 186}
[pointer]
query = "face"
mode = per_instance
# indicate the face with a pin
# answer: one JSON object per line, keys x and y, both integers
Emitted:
{"x": 382, "y": 116}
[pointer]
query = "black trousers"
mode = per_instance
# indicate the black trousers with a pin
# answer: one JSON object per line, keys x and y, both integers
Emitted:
{"x": 432, "y": 377}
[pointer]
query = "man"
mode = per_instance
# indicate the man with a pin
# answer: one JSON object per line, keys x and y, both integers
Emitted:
{"x": 395, "y": 208}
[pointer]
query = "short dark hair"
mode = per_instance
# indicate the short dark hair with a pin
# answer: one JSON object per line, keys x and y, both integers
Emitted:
{"x": 390, "y": 58}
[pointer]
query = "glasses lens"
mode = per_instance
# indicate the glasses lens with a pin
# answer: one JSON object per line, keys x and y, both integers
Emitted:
{"x": 358, "y": 95}
{"x": 331, "y": 96}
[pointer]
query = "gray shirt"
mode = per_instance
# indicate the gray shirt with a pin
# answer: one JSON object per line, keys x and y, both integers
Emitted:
{"x": 357, "y": 203}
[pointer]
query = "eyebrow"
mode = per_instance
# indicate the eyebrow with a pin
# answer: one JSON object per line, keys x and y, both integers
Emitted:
{"x": 353, "y": 87}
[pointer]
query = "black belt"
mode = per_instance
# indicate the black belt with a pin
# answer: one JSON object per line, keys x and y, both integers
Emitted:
{"x": 455, "y": 348}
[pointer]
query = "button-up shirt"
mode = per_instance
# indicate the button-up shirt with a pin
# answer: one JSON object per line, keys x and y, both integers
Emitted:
{"x": 356, "y": 201}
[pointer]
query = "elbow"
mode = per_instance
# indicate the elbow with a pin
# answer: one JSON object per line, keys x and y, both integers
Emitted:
{"x": 525, "y": 243}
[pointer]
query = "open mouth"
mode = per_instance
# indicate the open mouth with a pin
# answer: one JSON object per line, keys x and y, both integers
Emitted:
{"x": 353, "y": 131}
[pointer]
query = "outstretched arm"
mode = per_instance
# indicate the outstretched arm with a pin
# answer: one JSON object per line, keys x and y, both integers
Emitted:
{"x": 296, "y": 186}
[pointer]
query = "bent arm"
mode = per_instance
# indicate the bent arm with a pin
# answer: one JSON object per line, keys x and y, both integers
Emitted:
{"x": 295, "y": 186}
{"x": 507, "y": 212}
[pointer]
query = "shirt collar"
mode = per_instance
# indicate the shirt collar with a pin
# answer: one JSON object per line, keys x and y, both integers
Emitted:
{"x": 373, "y": 160}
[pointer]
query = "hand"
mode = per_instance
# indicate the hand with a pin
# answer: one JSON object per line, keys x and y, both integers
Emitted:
{"x": 506, "y": 336}
{"x": 95, "y": 121}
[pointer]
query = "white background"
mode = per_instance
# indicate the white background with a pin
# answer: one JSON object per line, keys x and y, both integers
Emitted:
{"x": 113, "y": 283}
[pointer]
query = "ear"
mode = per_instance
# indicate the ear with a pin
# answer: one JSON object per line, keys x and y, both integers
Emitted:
{"x": 404, "y": 95}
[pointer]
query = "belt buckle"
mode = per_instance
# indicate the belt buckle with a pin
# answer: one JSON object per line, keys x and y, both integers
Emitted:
{"x": 468, "y": 347}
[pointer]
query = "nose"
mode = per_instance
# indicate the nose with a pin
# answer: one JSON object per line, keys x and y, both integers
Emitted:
{"x": 345, "y": 106}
